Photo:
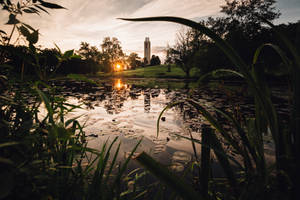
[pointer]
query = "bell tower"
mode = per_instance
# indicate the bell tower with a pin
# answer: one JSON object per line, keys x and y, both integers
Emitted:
{"x": 147, "y": 50}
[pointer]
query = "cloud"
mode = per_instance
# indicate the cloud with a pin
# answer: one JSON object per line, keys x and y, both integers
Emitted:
{"x": 158, "y": 49}
{"x": 182, "y": 8}
{"x": 93, "y": 20}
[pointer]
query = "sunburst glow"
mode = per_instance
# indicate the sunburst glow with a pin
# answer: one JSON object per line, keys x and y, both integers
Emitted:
{"x": 118, "y": 84}
{"x": 118, "y": 67}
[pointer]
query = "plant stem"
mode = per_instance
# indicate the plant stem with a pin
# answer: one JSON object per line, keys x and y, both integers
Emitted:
{"x": 11, "y": 34}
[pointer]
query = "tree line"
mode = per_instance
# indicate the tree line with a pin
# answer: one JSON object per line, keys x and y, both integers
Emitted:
{"x": 87, "y": 59}
{"x": 241, "y": 26}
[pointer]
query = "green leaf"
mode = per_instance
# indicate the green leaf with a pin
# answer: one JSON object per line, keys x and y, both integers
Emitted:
{"x": 5, "y": 161}
{"x": 41, "y": 8}
{"x": 25, "y": 32}
{"x": 45, "y": 99}
{"x": 75, "y": 57}
{"x": 287, "y": 43}
{"x": 13, "y": 19}
{"x": 171, "y": 105}
{"x": 51, "y": 5}
{"x": 29, "y": 11}
{"x": 124, "y": 166}
{"x": 7, "y": 144}
{"x": 276, "y": 48}
{"x": 3, "y": 32}
{"x": 33, "y": 37}
{"x": 57, "y": 47}
{"x": 68, "y": 122}
{"x": 28, "y": 26}
{"x": 220, "y": 152}
{"x": 8, "y": 2}
{"x": 223, "y": 71}
{"x": 172, "y": 180}
{"x": 68, "y": 54}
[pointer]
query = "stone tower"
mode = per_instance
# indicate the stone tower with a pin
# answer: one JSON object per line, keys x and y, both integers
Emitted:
{"x": 147, "y": 50}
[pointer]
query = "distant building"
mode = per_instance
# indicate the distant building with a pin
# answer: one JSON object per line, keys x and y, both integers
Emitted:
{"x": 147, "y": 51}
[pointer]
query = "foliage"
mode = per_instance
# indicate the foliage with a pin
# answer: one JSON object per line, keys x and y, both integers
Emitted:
{"x": 48, "y": 157}
{"x": 241, "y": 26}
{"x": 88, "y": 52}
{"x": 18, "y": 8}
{"x": 246, "y": 15}
{"x": 185, "y": 51}
{"x": 43, "y": 155}
{"x": 134, "y": 61}
{"x": 155, "y": 60}
{"x": 251, "y": 133}
{"x": 112, "y": 53}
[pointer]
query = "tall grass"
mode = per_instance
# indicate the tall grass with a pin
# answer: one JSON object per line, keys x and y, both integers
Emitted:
{"x": 47, "y": 157}
{"x": 257, "y": 177}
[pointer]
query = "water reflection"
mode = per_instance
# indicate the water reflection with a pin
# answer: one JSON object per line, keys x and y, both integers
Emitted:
{"x": 119, "y": 85}
{"x": 129, "y": 111}
{"x": 147, "y": 101}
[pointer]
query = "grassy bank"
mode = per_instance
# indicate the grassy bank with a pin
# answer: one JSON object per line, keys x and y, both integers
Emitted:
{"x": 158, "y": 71}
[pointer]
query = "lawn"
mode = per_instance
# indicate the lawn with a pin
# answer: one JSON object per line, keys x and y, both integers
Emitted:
{"x": 158, "y": 71}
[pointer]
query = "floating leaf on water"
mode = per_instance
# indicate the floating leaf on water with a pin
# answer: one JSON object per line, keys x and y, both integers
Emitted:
{"x": 133, "y": 156}
{"x": 159, "y": 141}
{"x": 131, "y": 136}
{"x": 174, "y": 136}
{"x": 177, "y": 167}
{"x": 181, "y": 156}
{"x": 138, "y": 131}
{"x": 159, "y": 148}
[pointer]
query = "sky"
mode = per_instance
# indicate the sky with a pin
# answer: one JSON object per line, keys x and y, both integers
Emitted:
{"x": 92, "y": 20}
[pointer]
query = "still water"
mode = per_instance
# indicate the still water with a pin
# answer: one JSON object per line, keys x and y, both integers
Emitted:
{"x": 130, "y": 112}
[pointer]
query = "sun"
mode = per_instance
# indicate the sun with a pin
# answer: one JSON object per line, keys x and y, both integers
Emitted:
{"x": 118, "y": 67}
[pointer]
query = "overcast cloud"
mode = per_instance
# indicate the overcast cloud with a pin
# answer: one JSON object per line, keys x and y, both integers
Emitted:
{"x": 92, "y": 20}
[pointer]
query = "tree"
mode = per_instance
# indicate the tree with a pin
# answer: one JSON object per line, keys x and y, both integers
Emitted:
{"x": 242, "y": 25}
{"x": 134, "y": 60}
{"x": 88, "y": 52}
{"x": 49, "y": 60}
{"x": 244, "y": 16}
{"x": 168, "y": 60}
{"x": 183, "y": 53}
{"x": 112, "y": 52}
{"x": 154, "y": 60}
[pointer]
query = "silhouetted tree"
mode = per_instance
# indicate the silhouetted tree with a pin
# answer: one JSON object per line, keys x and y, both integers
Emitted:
{"x": 186, "y": 47}
{"x": 88, "y": 52}
{"x": 242, "y": 27}
{"x": 112, "y": 52}
{"x": 168, "y": 60}
{"x": 134, "y": 60}
{"x": 48, "y": 59}
{"x": 244, "y": 16}
{"x": 155, "y": 60}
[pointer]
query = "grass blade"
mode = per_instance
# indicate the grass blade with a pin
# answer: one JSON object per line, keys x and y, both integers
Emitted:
{"x": 175, "y": 182}
{"x": 162, "y": 112}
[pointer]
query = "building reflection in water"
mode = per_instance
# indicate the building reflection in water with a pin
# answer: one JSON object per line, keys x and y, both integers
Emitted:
{"x": 147, "y": 101}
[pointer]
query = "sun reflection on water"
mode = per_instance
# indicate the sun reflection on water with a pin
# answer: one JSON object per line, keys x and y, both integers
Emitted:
{"x": 119, "y": 85}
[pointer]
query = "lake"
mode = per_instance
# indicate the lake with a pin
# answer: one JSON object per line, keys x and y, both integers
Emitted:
{"x": 129, "y": 110}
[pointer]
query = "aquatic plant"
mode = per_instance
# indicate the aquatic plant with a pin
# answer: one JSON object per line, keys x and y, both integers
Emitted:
{"x": 257, "y": 179}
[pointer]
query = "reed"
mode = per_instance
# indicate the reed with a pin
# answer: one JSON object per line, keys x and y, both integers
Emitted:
{"x": 257, "y": 176}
